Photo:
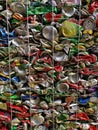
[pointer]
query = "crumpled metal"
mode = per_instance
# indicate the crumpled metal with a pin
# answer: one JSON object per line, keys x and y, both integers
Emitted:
{"x": 48, "y": 65}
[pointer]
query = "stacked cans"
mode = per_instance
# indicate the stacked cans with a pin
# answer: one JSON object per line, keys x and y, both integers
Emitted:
{"x": 48, "y": 65}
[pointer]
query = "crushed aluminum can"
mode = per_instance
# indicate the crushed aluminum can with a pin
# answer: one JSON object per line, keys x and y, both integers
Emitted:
{"x": 62, "y": 87}
{"x": 41, "y": 127}
{"x": 3, "y": 106}
{"x": 73, "y": 108}
{"x": 85, "y": 126}
{"x": 74, "y": 77}
{"x": 18, "y": 7}
{"x": 89, "y": 23}
{"x": 7, "y": 14}
{"x": 15, "y": 122}
{"x": 60, "y": 56}
{"x": 72, "y": 2}
{"x": 48, "y": 64}
{"x": 50, "y": 33}
{"x": 68, "y": 11}
{"x": 37, "y": 119}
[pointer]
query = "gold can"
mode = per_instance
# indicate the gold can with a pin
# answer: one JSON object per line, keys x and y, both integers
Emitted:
{"x": 3, "y": 106}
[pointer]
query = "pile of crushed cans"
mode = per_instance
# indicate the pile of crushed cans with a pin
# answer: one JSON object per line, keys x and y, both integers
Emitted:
{"x": 48, "y": 65}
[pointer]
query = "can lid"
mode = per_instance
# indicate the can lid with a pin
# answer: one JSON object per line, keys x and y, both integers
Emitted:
{"x": 62, "y": 87}
{"x": 18, "y": 7}
{"x": 50, "y": 33}
{"x": 68, "y": 11}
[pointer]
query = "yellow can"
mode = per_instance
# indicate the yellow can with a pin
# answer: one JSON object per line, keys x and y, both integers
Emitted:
{"x": 69, "y": 29}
